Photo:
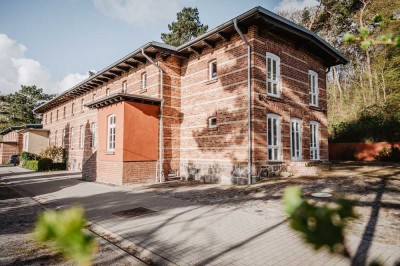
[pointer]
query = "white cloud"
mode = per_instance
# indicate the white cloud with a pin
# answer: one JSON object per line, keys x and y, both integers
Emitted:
{"x": 16, "y": 70}
{"x": 290, "y": 5}
{"x": 140, "y": 12}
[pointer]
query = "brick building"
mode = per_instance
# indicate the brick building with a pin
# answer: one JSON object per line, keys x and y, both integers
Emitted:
{"x": 248, "y": 94}
{"x": 12, "y": 142}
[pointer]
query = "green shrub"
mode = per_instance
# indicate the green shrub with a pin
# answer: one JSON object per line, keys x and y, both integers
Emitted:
{"x": 44, "y": 164}
{"x": 58, "y": 166}
{"x": 56, "y": 154}
{"x": 27, "y": 156}
{"x": 31, "y": 165}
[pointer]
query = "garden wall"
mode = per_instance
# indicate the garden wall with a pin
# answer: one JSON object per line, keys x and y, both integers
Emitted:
{"x": 358, "y": 151}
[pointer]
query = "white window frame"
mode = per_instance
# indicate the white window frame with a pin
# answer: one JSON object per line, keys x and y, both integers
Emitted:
{"x": 274, "y": 119}
{"x": 271, "y": 80}
{"x": 210, "y": 119}
{"x": 63, "y": 138}
{"x": 81, "y": 137}
{"x": 111, "y": 121}
{"x": 210, "y": 70}
{"x": 143, "y": 81}
{"x": 72, "y": 138}
{"x": 313, "y": 87}
{"x": 94, "y": 129}
{"x": 26, "y": 142}
{"x": 72, "y": 108}
{"x": 292, "y": 141}
{"x": 108, "y": 92}
{"x": 125, "y": 86}
{"x": 314, "y": 141}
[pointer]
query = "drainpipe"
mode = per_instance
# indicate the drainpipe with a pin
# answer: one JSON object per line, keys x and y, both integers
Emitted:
{"x": 160, "y": 135}
{"x": 250, "y": 162}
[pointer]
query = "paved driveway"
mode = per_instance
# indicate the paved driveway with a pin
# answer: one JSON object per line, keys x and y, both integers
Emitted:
{"x": 182, "y": 232}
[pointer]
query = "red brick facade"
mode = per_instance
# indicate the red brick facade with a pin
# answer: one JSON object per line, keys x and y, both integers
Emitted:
{"x": 190, "y": 145}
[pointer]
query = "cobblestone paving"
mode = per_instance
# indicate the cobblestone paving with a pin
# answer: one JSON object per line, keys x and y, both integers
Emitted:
{"x": 187, "y": 232}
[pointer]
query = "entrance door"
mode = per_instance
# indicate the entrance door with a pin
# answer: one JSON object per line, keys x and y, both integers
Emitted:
{"x": 295, "y": 139}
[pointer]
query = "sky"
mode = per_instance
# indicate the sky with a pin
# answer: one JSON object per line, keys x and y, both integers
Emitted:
{"x": 54, "y": 43}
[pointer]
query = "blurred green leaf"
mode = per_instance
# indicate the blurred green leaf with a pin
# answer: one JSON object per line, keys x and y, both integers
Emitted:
{"x": 320, "y": 226}
{"x": 364, "y": 32}
{"x": 378, "y": 18}
{"x": 65, "y": 229}
{"x": 365, "y": 44}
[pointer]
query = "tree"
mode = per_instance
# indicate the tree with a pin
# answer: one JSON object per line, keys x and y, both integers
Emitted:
{"x": 186, "y": 28}
{"x": 18, "y": 106}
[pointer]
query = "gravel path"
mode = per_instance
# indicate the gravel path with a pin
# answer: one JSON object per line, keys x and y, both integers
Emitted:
{"x": 17, "y": 247}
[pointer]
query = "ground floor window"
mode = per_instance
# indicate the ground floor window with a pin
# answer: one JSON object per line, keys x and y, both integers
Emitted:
{"x": 111, "y": 133}
{"x": 295, "y": 139}
{"x": 274, "y": 137}
{"x": 93, "y": 135}
{"x": 314, "y": 140}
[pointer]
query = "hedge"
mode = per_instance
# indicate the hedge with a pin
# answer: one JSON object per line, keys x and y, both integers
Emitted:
{"x": 43, "y": 164}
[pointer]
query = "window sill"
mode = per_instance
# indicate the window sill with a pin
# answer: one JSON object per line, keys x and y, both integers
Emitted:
{"x": 142, "y": 90}
{"x": 316, "y": 108}
{"x": 271, "y": 98}
{"x": 110, "y": 152}
{"x": 211, "y": 81}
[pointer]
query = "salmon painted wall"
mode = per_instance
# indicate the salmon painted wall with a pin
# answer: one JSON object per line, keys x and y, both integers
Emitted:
{"x": 102, "y": 121}
{"x": 136, "y": 132}
{"x": 362, "y": 151}
{"x": 141, "y": 132}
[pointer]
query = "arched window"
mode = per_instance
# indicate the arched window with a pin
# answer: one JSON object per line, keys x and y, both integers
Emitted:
{"x": 273, "y": 75}
{"x": 111, "y": 133}
{"x": 313, "y": 87}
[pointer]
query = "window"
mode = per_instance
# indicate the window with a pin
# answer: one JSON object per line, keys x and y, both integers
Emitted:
{"x": 94, "y": 96}
{"x": 51, "y": 117}
{"x": 63, "y": 139}
{"x": 111, "y": 133}
{"x": 313, "y": 87}
{"x": 82, "y": 137}
{"x": 82, "y": 104}
{"x": 65, "y": 111}
{"x": 144, "y": 81}
{"x": 57, "y": 115}
{"x": 93, "y": 142}
{"x": 273, "y": 75}
{"x": 212, "y": 122}
{"x": 72, "y": 138}
{"x": 295, "y": 139}
{"x": 274, "y": 137}
{"x": 124, "y": 86}
{"x": 314, "y": 140}
{"x": 45, "y": 119}
{"x": 55, "y": 139}
{"x": 212, "y": 70}
{"x": 72, "y": 108}
{"x": 107, "y": 92}
{"x": 25, "y": 144}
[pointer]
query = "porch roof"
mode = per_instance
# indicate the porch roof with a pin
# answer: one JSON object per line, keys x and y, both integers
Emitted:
{"x": 119, "y": 97}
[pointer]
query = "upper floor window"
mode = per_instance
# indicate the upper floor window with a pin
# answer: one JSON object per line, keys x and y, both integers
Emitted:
{"x": 273, "y": 75}
{"x": 51, "y": 117}
{"x": 94, "y": 96}
{"x": 274, "y": 145}
{"x": 314, "y": 140}
{"x": 212, "y": 70}
{"x": 82, "y": 104}
{"x": 125, "y": 87}
{"x": 57, "y": 115}
{"x": 107, "y": 92}
{"x": 313, "y": 87}
{"x": 111, "y": 133}
{"x": 93, "y": 129}
{"x": 212, "y": 122}
{"x": 72, "y": 108}
{"x": 64, "y": 111}
{"x": 45, "y": 119}
{"x": 144, "y": 81}
{"x": 55, "y": 139}
{"x": 82, "y": 137}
